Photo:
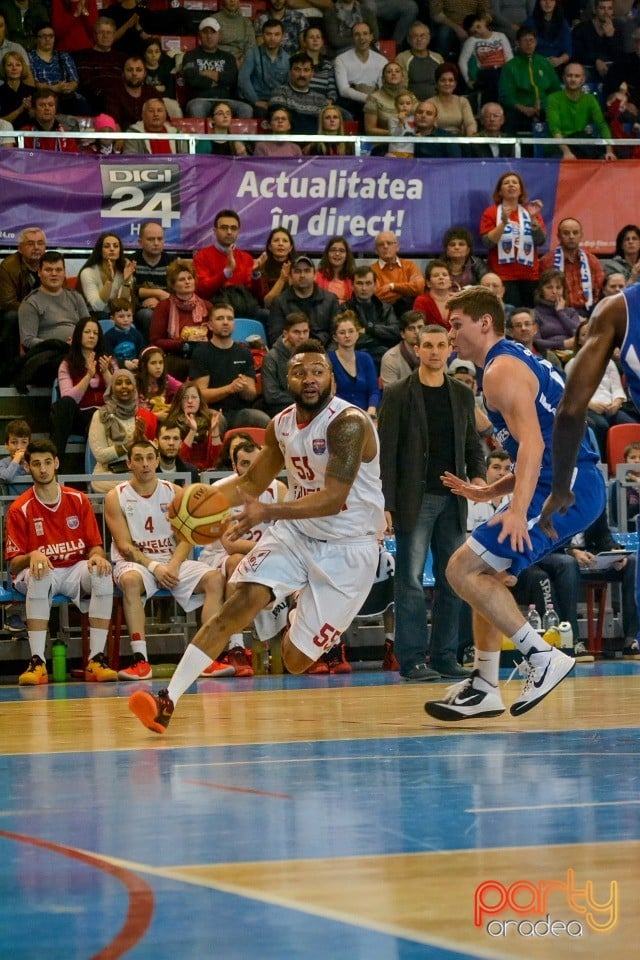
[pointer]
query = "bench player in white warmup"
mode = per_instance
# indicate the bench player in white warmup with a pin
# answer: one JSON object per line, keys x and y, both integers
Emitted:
{"x": 324, "y": 543}
{"x": 147, "y": 555}
{"x": 225, "y": 554}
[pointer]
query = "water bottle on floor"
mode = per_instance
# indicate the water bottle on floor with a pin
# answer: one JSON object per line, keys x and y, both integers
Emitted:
{"x": 551, "y": 626}
{"x": 533, "y": 619}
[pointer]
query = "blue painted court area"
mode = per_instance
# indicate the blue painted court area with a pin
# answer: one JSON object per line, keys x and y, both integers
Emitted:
{"x": 89, "y": 840}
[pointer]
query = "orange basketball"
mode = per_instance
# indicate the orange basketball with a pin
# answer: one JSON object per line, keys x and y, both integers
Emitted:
{"x": 199, "y": 514}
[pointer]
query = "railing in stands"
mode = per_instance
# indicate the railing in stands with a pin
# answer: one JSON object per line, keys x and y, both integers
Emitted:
{"x": 361, "y": 143}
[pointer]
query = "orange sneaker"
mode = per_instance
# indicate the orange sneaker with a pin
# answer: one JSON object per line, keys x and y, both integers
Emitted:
{"x": 390, "y": 661}
{"x": 152, "y": 712}
{"x": 337, "y": 659}
{"x": 219, "y": 668}
{"x": 320, "y": 666}
{"x": 239, "y": 660}
{"x": 140, "y": 669}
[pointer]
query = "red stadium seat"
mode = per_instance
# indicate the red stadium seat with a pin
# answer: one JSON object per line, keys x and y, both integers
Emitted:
{"x": 388, "y": 49}
{"x": 178, "y": 44}
{"x": 618, "y": 437}
{"x": 189, "y": 124}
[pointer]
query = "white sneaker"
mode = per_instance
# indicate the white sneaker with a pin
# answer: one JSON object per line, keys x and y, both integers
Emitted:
{"x": 543, "y": 672}
{"x": 581, "y": 653}
{"x": 632, "y": 649}
{"x": 471, "y": 698}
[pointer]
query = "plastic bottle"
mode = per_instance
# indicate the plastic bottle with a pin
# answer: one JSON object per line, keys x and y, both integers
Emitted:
{"x": 551, "y": 618}
{"x": 59, "y": 658}
{"x": 551, "y": 626}
{"x": 533, "y": 618}
{"x": 258, "y": 656}
{"x": 566, "y": 637}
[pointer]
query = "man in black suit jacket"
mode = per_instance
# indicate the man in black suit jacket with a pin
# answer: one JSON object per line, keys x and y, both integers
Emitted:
{"x": 491, "y": 124}
{"x": 427, "y": 427}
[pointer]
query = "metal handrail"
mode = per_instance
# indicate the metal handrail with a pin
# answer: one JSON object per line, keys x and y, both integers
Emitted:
{"x": 359, "y": 141}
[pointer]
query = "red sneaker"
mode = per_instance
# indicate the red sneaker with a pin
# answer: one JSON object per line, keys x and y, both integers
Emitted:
{"x": 219, "y": 668}
{"x": 140, "y": 669}
{"x": 337, "y": 659}
{"x": 389, "y": 662}
{"x": 320, "y": 666}
{"x": 239, "y": 660}
{"x": 152, "y": 712}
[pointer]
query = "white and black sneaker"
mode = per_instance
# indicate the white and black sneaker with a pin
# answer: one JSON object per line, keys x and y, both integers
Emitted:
{"x": 470, "y": 699}
{"x": 543, "y": 672}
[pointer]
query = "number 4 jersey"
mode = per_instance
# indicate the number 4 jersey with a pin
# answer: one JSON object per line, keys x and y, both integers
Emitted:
{"x": 306, "y": 453}
{"x": 147, "y": 520}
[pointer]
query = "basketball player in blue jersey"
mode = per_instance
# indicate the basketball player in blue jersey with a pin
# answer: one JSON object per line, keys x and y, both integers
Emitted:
{"x": 322, "y": 541}
{"x": 615, "y": 322}
{"x": 521, "y": 394}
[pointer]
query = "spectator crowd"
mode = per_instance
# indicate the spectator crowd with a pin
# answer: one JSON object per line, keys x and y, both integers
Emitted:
{"x": 395, "y": 68}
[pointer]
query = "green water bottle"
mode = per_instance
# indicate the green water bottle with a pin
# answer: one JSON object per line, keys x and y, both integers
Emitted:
{"x": 59, "y": 658}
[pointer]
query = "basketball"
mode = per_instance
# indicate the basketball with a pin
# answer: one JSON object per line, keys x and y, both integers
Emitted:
{"x": 198, "y": 514}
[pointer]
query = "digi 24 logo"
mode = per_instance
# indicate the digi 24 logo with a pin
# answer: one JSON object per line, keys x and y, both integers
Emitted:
{"x": 141, "y": 191}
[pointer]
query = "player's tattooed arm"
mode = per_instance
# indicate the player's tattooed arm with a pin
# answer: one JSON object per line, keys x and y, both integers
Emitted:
{"x": 346, "y": 438}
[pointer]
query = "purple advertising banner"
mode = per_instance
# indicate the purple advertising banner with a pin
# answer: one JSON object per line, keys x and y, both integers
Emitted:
{"x": 74, "y": 198}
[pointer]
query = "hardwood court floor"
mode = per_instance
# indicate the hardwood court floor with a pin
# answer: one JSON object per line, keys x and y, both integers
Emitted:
{"x": 320, "y": 817}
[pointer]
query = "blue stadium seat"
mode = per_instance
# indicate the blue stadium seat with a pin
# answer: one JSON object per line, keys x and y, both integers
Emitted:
{"x": 248, "y": 328}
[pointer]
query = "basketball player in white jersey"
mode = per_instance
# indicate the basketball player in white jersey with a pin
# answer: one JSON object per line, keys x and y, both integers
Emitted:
{"x": 225, "y": 555}
{"x": 147, "y": 554}
{"x": 324, "y": 543}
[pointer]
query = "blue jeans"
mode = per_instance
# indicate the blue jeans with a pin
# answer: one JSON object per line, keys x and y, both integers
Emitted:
{"x": 437, "y": 526}
{"x": 402, "y": 12}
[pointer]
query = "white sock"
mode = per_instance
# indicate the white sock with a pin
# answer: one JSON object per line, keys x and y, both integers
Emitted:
{"x": 37, "y": 642}
{"x": 527, "y": 641}
{"x": 97, "y": 641}
{"x": 193, "y": 662}
{"x": 139, "y": 646}
{"x": 487, "y": 663}
{"x": 235, "y": 640}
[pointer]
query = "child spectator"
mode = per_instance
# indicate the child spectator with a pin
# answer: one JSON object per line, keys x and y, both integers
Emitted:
{"x": 484, "y": 53}
{"x": 631, "y": 455}
{"x": 124, "y": 341}
{"x": 14, "y": 480}
{"x": 156, "y": 388}
{"x": 403, "y": 123}
{"x": 13, "y": 475}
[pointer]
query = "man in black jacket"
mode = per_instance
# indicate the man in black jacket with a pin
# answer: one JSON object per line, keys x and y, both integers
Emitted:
{"x": 303, "y": 295}
{"x": 426, "y": 427}
{"x": 380, "y": 328}
{"x": 275, "y": 390}
{"x": 168, "y": 440}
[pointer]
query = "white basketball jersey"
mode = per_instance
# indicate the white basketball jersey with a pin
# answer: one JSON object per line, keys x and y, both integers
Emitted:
{"x": 147, "y": 520}
{"x": 306, "y": 454}
{"x": 215, "y": 550}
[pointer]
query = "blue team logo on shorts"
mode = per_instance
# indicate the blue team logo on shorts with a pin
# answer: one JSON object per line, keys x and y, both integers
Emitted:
{"x": 319, "y": 447}
{"x": 73, "y": 523}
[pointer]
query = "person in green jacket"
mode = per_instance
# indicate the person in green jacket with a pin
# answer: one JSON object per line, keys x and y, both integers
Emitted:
{"x": 525, "y": 83}
{"x": 571, "y": 113}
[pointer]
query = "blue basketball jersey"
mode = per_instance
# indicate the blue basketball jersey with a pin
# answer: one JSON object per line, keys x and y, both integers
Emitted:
{"x": 630, "y": 350}
{"x": 551, "y": 385}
